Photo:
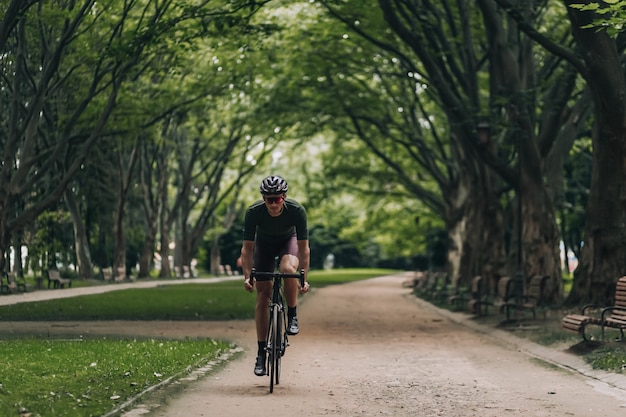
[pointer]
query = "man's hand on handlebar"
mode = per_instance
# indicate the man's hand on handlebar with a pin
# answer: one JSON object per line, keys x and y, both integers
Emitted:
{"x": 249, "y": 284}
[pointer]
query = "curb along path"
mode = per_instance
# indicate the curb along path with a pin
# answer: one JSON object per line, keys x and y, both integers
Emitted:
{"x": 550, "y": 355}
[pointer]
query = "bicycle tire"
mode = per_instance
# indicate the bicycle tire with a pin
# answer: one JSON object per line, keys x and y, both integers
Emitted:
{"x": 280, "y": 350}
{"x": 274, "y": 343}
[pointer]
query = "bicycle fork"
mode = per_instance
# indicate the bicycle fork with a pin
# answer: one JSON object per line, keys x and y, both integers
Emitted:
{"x": 282, "y": 322}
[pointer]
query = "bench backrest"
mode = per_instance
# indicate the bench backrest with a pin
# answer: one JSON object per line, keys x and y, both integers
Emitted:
{"x": 535, "y": 288}
{"x": 11, "y": 282}
{"x": 441, "y": 281}
{"x": 428, "y": 282}
{"x": 54, "y": 274}
{"x": 620, "y": 299}
{"x": 620, "y": 292}
{"x": 505, "y": 288}
{"x": 477, "y": 286}
{"x": 107, "y": 274}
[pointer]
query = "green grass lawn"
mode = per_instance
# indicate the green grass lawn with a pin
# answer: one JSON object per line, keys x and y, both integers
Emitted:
{"x": 220, "y": 301}
{"x": 90, "y": 377}
{"x": 320, "y": 279}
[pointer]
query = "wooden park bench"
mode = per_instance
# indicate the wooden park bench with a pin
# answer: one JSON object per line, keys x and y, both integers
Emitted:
{"x": 612, "y": 317}
{"x": 504, "y": 293}
{"x": 120, "y": 275}
{"x": 474, "y": 296}
{"x": 107, "y": 274}
{"x": 478, "y": 302}
{"x": 16, "y": 283}
{"x": 4, "y": 283}
{"x": 460, "y": 295}
{"x": 428, "y": 282}
{"x": 414, "y": 282}
{"x": 444, "y": 287}
{"x": 531, "y": 301}
{"x": 434, "y": 287}
{"x": 182, "y": 272}
{"x": 504, "y": 297}
{"x": 55, "y": 279}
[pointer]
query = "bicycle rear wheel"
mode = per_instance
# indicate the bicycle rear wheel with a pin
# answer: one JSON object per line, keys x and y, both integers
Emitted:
{"x": 274, "y": 348}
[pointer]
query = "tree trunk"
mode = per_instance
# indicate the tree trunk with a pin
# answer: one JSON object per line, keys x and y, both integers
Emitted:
{"x": 463, "y": 222}
{"x": 119, "y": 256}
{"x": 216, "y": 257}
{"x": 512, "y": 73}
{"x": 81, "y": 243}
{"x": 540, "y": 238}
{"x": 186, "y": 249}
{"x": 4, "y": 239}
{"x": 18, "y": 261}
{"x": 492, "y": 252}
{"x": 148, "y": 172}
{"x": 164, "y": 251}
{"x": 147, "y": 253}
{"x": 126, "y": 165}
{"x": 603, "y": 254}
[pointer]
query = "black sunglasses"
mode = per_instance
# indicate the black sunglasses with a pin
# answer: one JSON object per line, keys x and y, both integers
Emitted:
{"x": 273, "y": 200}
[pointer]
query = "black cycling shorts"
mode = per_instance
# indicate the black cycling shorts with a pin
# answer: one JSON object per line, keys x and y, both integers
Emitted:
{"x": 266, "y": 252}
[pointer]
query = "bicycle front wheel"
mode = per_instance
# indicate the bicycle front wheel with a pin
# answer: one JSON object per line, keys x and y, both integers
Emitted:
{"x": 274, "y": 342}
{"x": 280, "y": 349}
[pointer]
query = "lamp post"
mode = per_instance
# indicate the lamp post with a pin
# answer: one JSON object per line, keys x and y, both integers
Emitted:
{"x": 484, "y": 136}
{"x": 519, "y": 274}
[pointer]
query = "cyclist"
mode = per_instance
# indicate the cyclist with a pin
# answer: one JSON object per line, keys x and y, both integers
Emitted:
{"x": 274, "y": 227}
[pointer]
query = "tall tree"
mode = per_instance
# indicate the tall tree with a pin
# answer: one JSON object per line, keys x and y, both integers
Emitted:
{"x": 604, "y": 253}
{"x": 598, "y": 59}
{"x": 65, "y": 65}
{"x": 453, "y": 48}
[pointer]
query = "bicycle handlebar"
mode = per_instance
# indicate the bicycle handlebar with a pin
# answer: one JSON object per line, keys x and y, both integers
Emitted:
{"x": 300, "y": 275}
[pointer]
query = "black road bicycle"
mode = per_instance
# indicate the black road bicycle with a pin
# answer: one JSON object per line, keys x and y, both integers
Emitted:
{"x": 277, "y": 340}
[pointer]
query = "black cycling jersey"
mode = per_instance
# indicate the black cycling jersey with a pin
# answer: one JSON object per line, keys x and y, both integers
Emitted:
{"x": 259, "y": 224}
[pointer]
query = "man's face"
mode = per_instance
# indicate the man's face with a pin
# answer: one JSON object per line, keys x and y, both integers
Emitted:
{"x": 274, "y": 203}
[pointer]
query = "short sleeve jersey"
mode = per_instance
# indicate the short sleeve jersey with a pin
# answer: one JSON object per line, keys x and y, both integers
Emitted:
{"x": 258, "y": 224}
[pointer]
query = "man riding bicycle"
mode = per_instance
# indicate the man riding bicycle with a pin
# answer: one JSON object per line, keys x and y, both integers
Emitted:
{"x": 275, "y": 227}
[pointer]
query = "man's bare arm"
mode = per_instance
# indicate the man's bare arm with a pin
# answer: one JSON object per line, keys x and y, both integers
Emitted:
{"x": 247, "y": 262}
{"x": 304, "y": 258}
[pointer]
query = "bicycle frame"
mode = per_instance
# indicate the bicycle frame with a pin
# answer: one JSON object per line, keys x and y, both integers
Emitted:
{"x": 277, "y": 340}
